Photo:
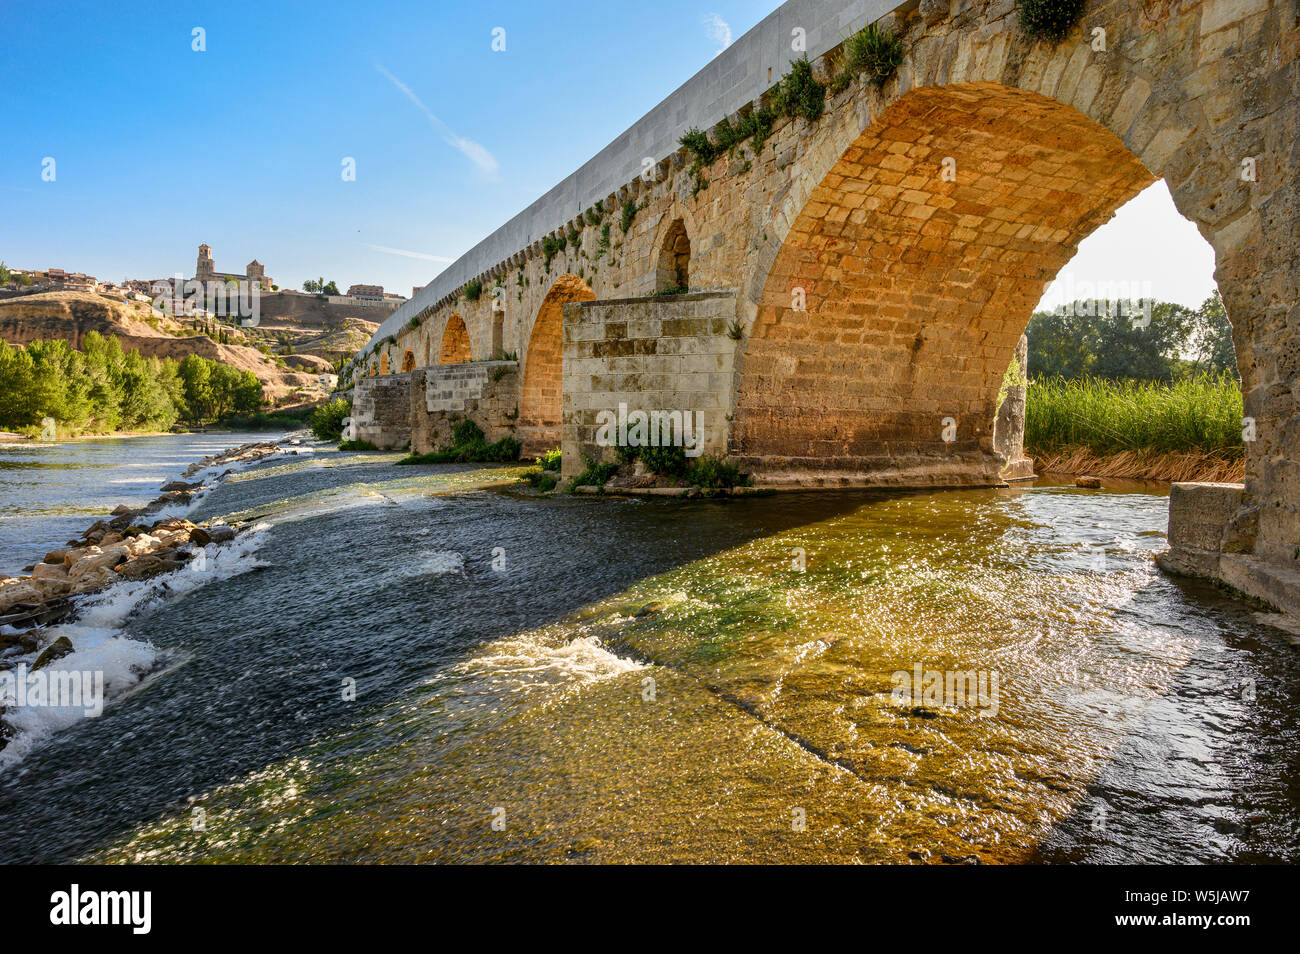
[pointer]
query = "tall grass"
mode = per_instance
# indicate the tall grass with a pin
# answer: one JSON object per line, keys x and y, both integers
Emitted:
{"x": 1198, "y": 415}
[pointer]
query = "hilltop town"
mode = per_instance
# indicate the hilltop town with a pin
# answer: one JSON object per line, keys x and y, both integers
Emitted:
{"x": 294, "y": 347}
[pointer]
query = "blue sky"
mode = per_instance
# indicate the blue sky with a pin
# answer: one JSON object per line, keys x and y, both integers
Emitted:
{"x": 158, "y": 147}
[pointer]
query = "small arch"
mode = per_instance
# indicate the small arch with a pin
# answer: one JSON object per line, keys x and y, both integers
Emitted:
{"x": 674, "y": 265}
{"x": 408, "y": 361}
{"x": 455, "y": 342}
{"x": 383, "y": 363}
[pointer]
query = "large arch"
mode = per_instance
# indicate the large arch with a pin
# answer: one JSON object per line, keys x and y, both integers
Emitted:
{"x": 900, "y": 291}
{"x": 455, "y": 341}
{"x": 541, "y": 395}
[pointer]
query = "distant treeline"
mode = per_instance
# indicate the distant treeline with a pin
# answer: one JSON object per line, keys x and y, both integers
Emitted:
{"x": 100, "y": 389}
{"x": 1131, "y": 341}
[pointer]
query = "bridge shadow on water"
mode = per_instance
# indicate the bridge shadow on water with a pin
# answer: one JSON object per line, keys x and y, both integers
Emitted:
{"x": 363, "y": 579}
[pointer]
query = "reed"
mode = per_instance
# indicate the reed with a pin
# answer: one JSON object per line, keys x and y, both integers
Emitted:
{"x": 1194, "y": 416}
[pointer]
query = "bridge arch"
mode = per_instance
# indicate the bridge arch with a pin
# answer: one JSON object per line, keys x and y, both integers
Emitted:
{"x": 408, "y": 361}
{"x": 383, "y": 363}
{"x": 897, "y": 296}
{"x": 454, "y": 348}
{"x": 540, "y": 401}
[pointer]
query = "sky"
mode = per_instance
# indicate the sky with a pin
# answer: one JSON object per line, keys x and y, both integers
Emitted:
{"x": 158, "y": 147}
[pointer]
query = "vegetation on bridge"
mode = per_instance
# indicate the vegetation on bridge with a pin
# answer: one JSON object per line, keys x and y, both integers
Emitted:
{"x": 469, "y": 446}
{"x": 1049, "y": 19}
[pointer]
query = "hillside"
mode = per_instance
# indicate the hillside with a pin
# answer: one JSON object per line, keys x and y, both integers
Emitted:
{"x": 71, "y": 315}
{"x": 313, "y": 325}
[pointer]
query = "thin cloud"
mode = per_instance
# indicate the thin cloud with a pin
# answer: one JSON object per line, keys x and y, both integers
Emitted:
{"x": 719, "y": 30}
{"x": 407, "y": 253}
{"x": 475, "y": 153}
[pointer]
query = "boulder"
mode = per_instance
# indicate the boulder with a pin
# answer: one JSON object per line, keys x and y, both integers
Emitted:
{"x": 152, "y": 564}
{"x": 50, "y": 571}
{"x": 56, "y": 650}
{"x": 221, "y": 534}
{"x": 96, "y": 559}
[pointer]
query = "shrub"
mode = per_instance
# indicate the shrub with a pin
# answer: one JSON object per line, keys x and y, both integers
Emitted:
{"x": 550, "y": 460}
{"x": 594, "y": 475}
{"x": 629, "y": 212}
{"x": 711, "y": 473}
{"x": 473, "y": 289}
{"x": 468, "y": 446}
{"x": 697, "y": 143}
{"x": 874, "y": 51}
{"x": 1049, "y": 19}
{"x": 669, "y": 461}
{"x": 543, "y": 480}
{"x": 357, "y": 446}
{"x": 327, "y": 420}
{"x": 799, "y": 94}
{"x": 466, "y": 432}
{"x": 551, "y": 247}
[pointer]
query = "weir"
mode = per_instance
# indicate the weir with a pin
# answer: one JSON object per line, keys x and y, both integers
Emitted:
{"x": 856, "y": 284}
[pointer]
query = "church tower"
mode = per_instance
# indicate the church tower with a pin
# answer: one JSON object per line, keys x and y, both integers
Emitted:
{"x": 205, "y": 269}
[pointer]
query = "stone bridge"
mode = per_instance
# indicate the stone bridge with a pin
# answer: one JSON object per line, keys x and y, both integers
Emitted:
{"x": 857, "y": 283}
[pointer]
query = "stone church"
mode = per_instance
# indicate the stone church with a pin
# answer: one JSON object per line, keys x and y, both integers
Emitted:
{"x": 205, "y": 270}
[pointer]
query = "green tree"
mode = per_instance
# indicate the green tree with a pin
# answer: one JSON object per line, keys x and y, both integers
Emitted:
{"x": 196, "y": 376}
{"x": 1212, "y": 348}
{"x": 18, "y": 407}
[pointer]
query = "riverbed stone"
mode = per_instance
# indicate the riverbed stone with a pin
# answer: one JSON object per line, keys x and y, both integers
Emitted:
{"x": 52, "y": 653}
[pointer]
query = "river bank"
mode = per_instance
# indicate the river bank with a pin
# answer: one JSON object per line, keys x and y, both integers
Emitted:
{"x": 128, "y": 557}
{"x": 1164, "y": 466}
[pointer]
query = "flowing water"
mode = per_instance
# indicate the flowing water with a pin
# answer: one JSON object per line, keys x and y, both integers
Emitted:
{"x": 51, "y": 491}
{"x": 429, "y": 664}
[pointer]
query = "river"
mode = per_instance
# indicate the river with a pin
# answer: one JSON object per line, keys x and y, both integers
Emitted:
{"x": 404, "y": 664}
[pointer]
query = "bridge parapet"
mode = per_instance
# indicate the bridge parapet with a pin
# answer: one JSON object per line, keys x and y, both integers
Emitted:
{"x": 730, "y": 82}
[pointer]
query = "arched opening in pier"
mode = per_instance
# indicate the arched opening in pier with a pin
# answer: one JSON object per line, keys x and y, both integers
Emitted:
{"x": 897, "y": 298}
{"x": 383, "y": 363}
{"x": 673, "y": 270}
{"x": 541, "y": 398}
{"x": 455, "y": 341}
{"x": 408, "y": 361}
